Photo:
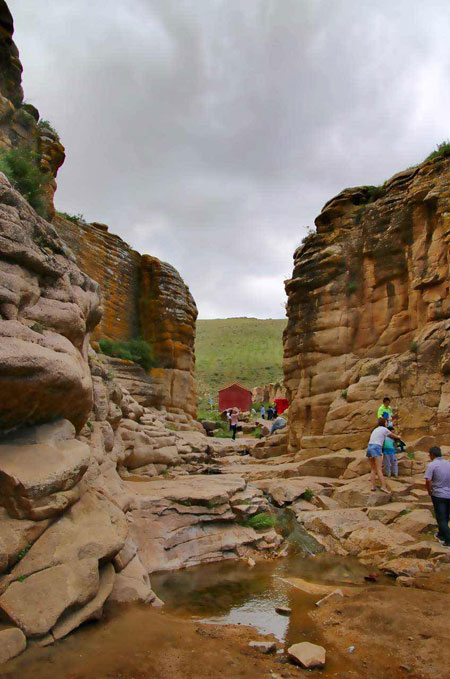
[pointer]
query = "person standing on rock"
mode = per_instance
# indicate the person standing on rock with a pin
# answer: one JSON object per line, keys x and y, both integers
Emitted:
{"x": 390, "y": 456}
{"x": 437, "y": 481}
{"x": 233, "y": 422}
{"x": 375, "y": 454}
{"x": 263, "y": 412}
{"x": 385, "y": 411}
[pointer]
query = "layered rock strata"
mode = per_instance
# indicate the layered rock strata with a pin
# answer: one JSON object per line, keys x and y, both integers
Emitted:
{"x": 18, "y": 120}
{"x": 141, "y": 297}
{"x": 368, "y": 309}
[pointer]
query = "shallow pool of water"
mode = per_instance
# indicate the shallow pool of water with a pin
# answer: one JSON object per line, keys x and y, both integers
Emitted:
{"x": 234, "y": 593}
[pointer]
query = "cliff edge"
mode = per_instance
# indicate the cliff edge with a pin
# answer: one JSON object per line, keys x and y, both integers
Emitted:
{"x": 368, "y": 311}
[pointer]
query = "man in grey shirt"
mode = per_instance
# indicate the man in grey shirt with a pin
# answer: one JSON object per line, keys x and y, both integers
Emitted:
{"x": 437, "y": 480}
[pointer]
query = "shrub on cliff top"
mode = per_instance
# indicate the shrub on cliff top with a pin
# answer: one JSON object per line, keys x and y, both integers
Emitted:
{"x": 442, "y": 151}
{"x": 137, "y": 350}
{"x": 20, "y": 165}
{"x": 45, "y": 125}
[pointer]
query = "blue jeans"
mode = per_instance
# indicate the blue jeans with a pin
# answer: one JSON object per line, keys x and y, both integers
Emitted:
{"x": 277, "y": 426}
{"x": 442, "y": 510}
{"x": 390, "y": 464}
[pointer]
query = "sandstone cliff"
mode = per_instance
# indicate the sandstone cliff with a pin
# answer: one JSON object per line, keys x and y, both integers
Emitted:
{"x": 141, "y": 296}
{"x": 368, "y": 310}
{"x": 19, "y": 122}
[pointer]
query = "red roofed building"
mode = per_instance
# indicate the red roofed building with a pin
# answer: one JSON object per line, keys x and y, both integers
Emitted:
{"x": 235, "y": 396}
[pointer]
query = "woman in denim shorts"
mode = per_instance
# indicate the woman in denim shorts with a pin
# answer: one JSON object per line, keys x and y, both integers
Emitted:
{"x": 375, "y": 454}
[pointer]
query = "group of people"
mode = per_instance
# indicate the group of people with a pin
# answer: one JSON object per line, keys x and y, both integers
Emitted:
{"x": 272, "y": 412}
{"x": 384, "y": 444}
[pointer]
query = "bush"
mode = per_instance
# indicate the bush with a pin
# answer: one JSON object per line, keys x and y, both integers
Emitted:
{"x": 374, "y": 192}
{"x": 414, "y": 347}
{"x": 138, "y": 351}
{"x": 20, "y": 165}
{"x": 261, "y": 521}
{"x": 72, "y": 218}
{"x": 308, "y": 495}
{"x": 44, "y": 125}
{"x": 442, "y": 151}
{"x": 351, "y": 287}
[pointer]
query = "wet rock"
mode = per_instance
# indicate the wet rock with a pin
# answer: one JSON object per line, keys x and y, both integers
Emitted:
{"x": 283, "y": 610}
{"x": 265, "y": 647}
{"x": 407, "y": 566}
{"x": 12, "y": 642}
{"x": 132, "y": 584}
{"x": 307, "y": 655}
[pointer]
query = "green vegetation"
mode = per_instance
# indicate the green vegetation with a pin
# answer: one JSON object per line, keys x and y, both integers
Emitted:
{"x": 23, "y": 552}
{"x": 351, "y": 287}
{"x": 404, "y": 512}
{"x": 261, "y": 521}
{"x": 244, "y": 350}
{"x": 46, "y": 125}
{"x": 374, "y": 192}
{"x": 20, "y": 165}
{"x": 37, "y": 327}
{"x": 138, "y": 351}
{"x": 414, "y": 347}
{"x": 442, "y": 151}
{"x": 72, "y": 218}
{"x": 21, "y": 578}
{"x": 344, "y": 394}
{"x": 308, "y": 494}
{"x": 411, "y": 455}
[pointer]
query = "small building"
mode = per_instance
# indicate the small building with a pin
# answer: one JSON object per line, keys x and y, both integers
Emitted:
{"x": 235, "y": 396}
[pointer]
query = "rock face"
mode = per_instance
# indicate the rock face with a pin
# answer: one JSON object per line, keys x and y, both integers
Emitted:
{"x": 48, "y": 307}
{"x": 369, "y": 310}
{"x": 144, "y": 297}
{"x": 19, "y": 121}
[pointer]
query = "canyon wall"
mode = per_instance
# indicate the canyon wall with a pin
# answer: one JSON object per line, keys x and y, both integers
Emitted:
{"x": 19, "y": 122}
{"x": 369, "y": 309}
{"x": 141, "y": 297}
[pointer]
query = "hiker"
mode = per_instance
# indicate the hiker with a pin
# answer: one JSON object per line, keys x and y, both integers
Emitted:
{"x": 385, "y": 411}
{"x": 375, "y": 453}
{"x": 275, "y": 410}
{"x": 279, "y": 423}
{"x": 437, "y": 481}
{"x": 390, "y": 456}
{"x": 229, "y": 418}
{"x": 269, "y": 413}
{"x": 263, "y": 412}
{"x": 233, "y": 421}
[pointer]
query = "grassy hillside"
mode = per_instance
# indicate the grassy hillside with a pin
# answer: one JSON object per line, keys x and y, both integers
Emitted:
{"x": 248, "y": 350}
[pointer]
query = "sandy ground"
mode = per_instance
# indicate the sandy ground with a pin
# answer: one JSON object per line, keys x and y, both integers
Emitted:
{"x": 397, "y": 632}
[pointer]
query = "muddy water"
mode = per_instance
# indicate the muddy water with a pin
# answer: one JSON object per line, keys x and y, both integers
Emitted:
{"x": 138, "y": 642}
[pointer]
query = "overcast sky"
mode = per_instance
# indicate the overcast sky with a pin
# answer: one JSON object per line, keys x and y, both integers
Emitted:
{"x": 210, "y": 132}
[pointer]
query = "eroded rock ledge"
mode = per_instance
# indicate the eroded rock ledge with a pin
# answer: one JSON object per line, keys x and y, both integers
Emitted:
{"x": 368, "y": 310}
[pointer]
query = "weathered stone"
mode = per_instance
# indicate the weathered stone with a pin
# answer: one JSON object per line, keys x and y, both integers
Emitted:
{"x": 374, "y": 537}
{"x": 90, "y": 611}
{"x": 12, "y": 642}
{"x": 288, "y": 490}
{"x": 36, "y": 602}
{"x": 132, "y": 584}
{"x": 265, "y": 647}
{"x": 407, "y": 566}
{"x": 307, "y": 655}
{"x": 29, "y": 473}
{"x": 339, "y": 523}
{"x": 415, "y": 522}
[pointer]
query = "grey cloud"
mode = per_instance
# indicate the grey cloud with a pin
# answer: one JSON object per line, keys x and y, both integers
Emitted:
{"x": 210, "y": 134}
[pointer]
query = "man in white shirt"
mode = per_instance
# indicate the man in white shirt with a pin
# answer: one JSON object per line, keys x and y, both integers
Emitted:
{"x": 375, "y": 454}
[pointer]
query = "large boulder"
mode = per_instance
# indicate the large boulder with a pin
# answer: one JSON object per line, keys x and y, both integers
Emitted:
{"x": 48, "y": 308}
{"x": 31, "y": 473}
{"x": 12, "y": 642}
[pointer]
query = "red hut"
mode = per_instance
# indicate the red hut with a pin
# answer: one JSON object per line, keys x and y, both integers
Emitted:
{"x": 282, "y": 404}
{"x": 235, "y": 396}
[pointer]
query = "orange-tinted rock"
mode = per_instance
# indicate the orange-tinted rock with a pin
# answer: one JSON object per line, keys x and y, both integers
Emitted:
{"x": 369, "y": 311}
{"x": 141, "y": 297}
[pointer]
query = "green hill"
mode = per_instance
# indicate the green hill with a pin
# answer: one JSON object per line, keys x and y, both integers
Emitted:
{"x": 248, "y": 350}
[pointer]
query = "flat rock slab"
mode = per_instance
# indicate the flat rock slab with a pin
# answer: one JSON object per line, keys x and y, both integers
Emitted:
{"x": 200, "y": 489}
{"x": 407, "y": 566}
{"x": 375, "y": 537}
{"x": 415, "y": 522}
{"x": 30, "y": 472}
{"x": 307, "y": 655}
{"x": 318, "y": 588}
{"x": 12, "y": 642}
{"x": 389, "y": 512}
{"x": 339, "y": 523}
